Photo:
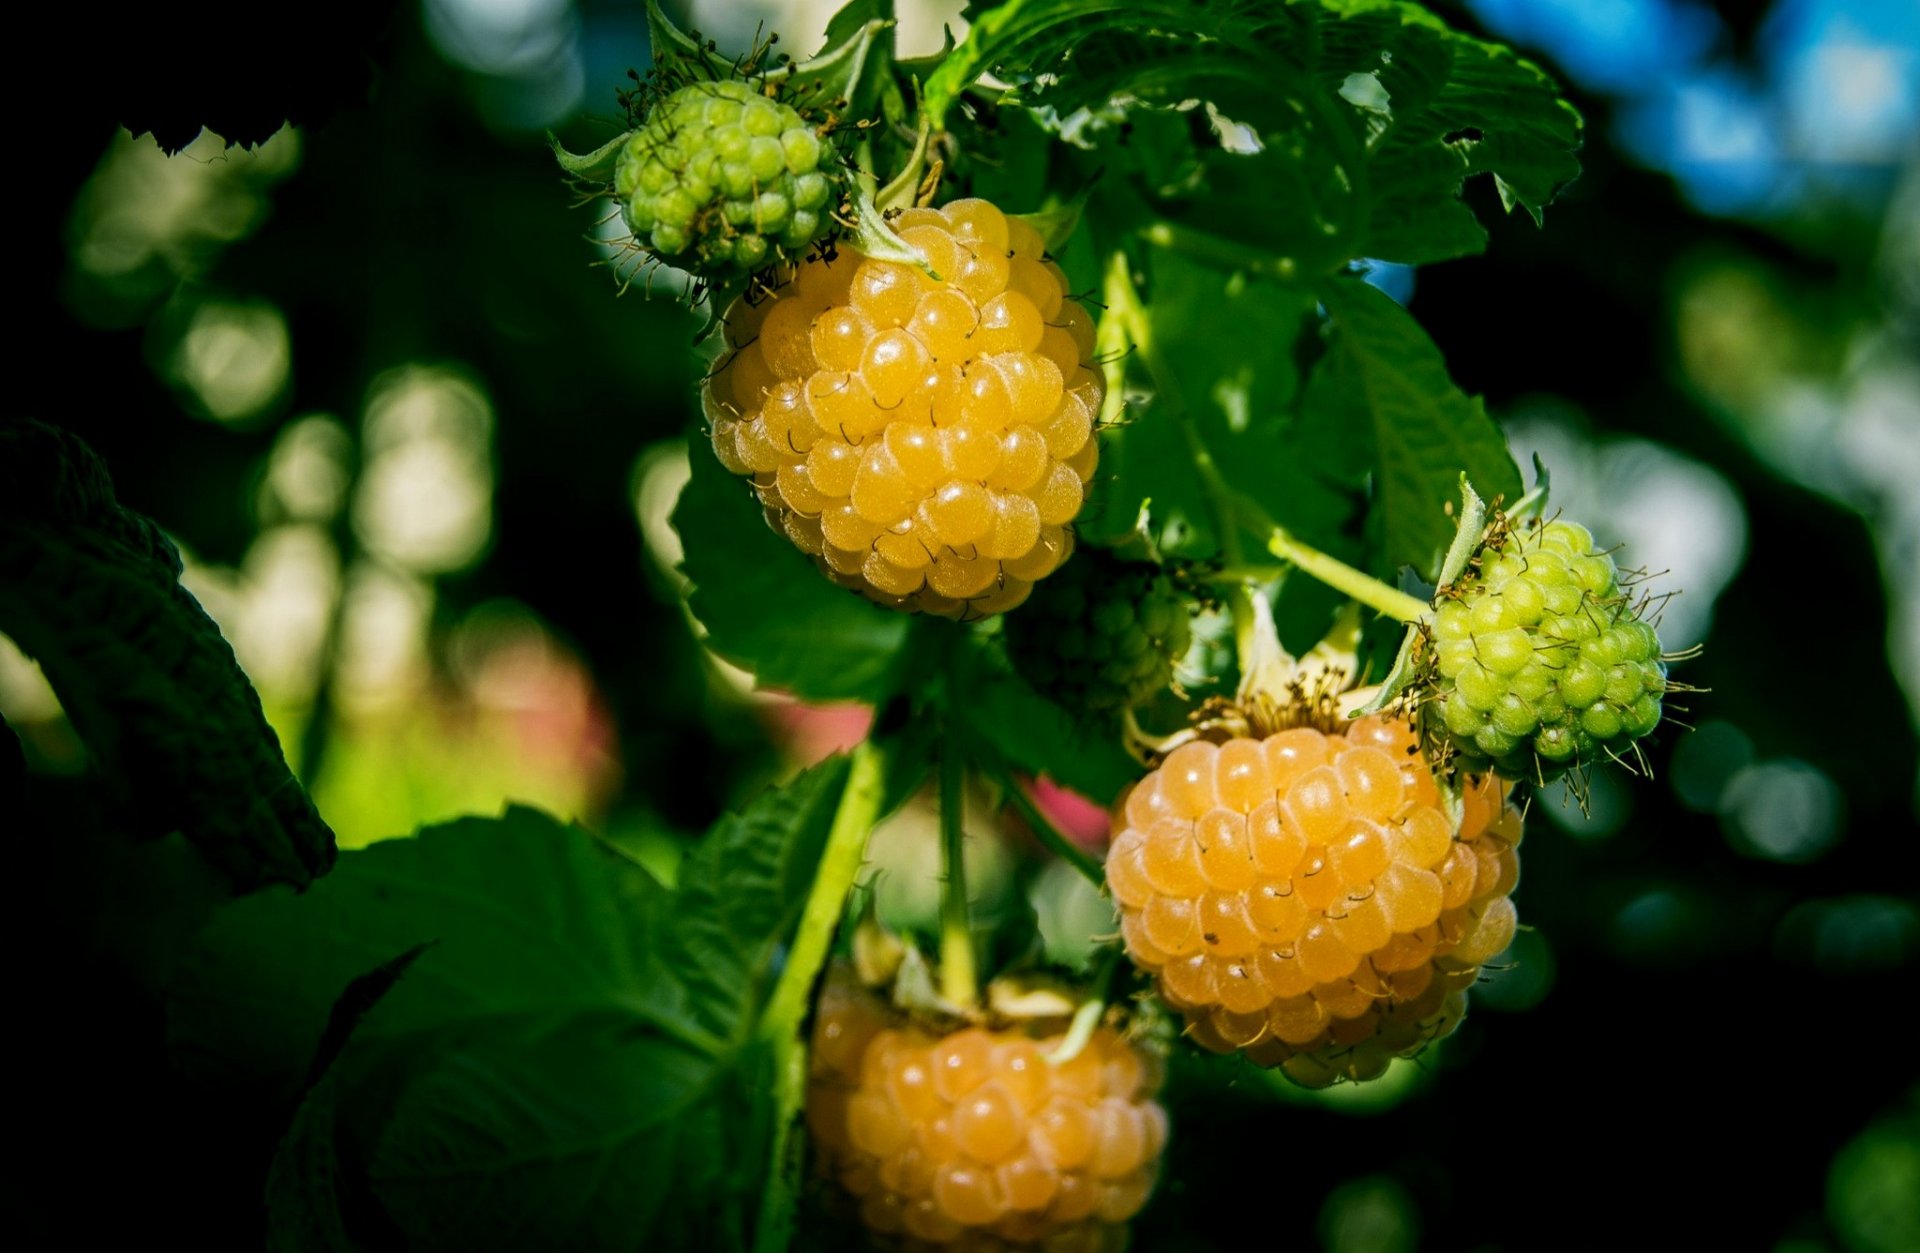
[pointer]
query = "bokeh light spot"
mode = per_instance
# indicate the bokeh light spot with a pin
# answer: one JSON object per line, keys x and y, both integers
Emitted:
{"x": 1519, "y": 978}
{"x": 146, "y": 220}
{"x": 1592, "y": 808}
{"x": 307, "y": 472}
{"x": 1873, "y": 1188}
{"x": 1785, "y": 810}
{"x": 1369, "y": 1215}
{"x": 1678, "y": 520}
{"x": 234, "y": 358}
{"x": 1851, "y": 935}
{"x": 1706, "y": 760}
{"x": 425, "y": 498}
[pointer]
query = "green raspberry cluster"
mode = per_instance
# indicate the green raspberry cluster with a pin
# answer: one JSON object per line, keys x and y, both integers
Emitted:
{"x": 1101, "y": 634}
{"x": 723, "y": 178}
{"x": 1543, "y": 662}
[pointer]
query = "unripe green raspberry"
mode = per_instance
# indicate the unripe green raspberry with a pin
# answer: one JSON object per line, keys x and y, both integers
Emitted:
{"x": 724, "y": 179}
{"x": 1541, "y": 661}
{"x": 1102, "y": 634}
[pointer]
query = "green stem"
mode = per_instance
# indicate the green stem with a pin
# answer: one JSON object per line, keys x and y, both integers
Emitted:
{"x": 959, "y": 983}
{"x": 1043, "y": 829}
{"x": 1381, "y": 597}
{"x": 1230, "y": 507}
{"x": 1086, "y": 1019}
{"x": 840, "y": 862}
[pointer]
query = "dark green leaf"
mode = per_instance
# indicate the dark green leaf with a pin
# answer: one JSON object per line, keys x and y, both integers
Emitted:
{"x": 305, "y": 1211}
{"x": 1304, "y": 611}
{"x": 911, "y": 749}
{"x": 91, "y": 590}
{"x": 1145, "y": 461}
{"x": 360, "y": 996}
{"x": 1383, "y": 376}
{"x": 525, "y": 916}
{"x": 561, "y": 1068}
{"x": 768, "y": 609}
{"x": 13, "y": 763}
{"x": 585, "y": 1132}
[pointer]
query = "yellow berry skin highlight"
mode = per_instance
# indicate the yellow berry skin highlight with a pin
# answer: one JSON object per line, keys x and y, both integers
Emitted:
{"x": 928, "y": 442}
{"x": 1304, "y": 898}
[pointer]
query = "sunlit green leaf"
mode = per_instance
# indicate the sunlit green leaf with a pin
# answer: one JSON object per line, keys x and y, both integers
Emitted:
{"x": 92, "y": 591}
{"x": 1026, "y": 32}
{"x": 1361, "y": 119}
{"x": 1240, "y": 392}
{"x": 1454, "y": 107}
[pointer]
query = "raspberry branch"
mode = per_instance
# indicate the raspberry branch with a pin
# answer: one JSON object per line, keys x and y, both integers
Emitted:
{"x": 1335, "y": 573}
{"x": 958, "y": 982}
{"x": 840, "y": 862}
{"x": 1043, "y": 829}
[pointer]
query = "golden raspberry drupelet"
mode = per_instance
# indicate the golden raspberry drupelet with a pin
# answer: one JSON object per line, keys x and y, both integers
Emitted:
{"x": 973, "y": 1139}
{"x": 1304, "y": 898}
{"x": 928, "y": 442}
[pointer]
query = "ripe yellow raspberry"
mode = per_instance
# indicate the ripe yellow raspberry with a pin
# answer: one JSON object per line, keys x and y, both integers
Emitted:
{"x": 927, "y": 441}
{"x": 973, "y": 1139}
{"x": 1304, "y": 897}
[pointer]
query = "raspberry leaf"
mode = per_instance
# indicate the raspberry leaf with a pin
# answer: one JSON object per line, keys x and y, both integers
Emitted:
{"x": 740, "y": 892}
{"x": 1384, "y": 378}
{"x": 765, "y": 607}
{"x": 572, "y": 1056}
{"x": 530, "y": 916}
{"x": 91, "y": 590}
{"x": 1243, "y": 402}
{"x": 569, "y": 1132}
{"x": 1455, "y": 107}
{"x": 1363, "y": 118}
